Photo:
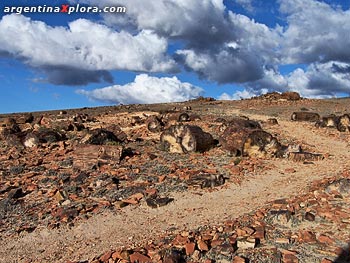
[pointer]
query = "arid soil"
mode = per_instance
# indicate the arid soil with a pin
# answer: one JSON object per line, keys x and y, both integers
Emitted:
{"x": 63, "y": 203}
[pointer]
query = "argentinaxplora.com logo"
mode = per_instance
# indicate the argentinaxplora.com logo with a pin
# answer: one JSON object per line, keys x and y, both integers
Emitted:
{"x": 64, "y": 8}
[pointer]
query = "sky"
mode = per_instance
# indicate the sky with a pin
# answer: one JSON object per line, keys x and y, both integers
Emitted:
{"x": 171, "y": 50}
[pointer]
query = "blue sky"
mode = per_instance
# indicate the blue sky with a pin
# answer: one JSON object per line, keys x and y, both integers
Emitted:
{"x": 164, "y": 50}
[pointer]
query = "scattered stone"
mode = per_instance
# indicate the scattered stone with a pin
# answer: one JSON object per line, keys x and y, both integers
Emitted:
{"x": 100, "y": 137}
{"x": 15, "y": 193}
{"x": 309, "y": 216}
{"x": 139, "y": 258}
{"x": 282, "y": 240}
{"x": 272, "y": 121}
{"x": 246, "y": 243}
{"x": 156, "y": 202}
{"x": 202, "y": 246}
{"x": 205, "y": 180}
{"x": 238, "y": 259}
{"x": 190, "y": 248}
{"x": 307, "y": 236}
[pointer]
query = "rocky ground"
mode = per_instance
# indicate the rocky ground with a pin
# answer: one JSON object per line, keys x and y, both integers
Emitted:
{"x": 96, "y": 185}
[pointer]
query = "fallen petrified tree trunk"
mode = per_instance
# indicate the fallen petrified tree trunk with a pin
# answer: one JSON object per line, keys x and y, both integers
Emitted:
{"x": 241, "y": 141}
{"x": 342, "y": 123}
{"x": 175, "y": 117}
{"x": 305, "y": 116}
{"x": 327, "y": 121}
{"x": 154, "y": 124}
{"x": 186, "y": 138}
{"x": 89, "y": 156}
{"x": 100, "y": 137}
{"x": 239, "y": 122}
{"x": 305, "y": 156}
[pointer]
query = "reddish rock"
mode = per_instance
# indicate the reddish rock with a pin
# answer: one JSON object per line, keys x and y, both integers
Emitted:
{"x": 325, "y": 239}
{"x": 161, "y": 178}
{"x": 139, "y": 258}
{"x": 290, "y": 170}
{"x": 307, "y": 237}
{"x": 106, "y": 256}
{"x": 259, "y": 232}
{"x": 309, "y": 216}
{"x": 282, "y": 240}
{"x": 235, "y": 170}
{"x": 216, "y": 243}
{"x": 151, "y": 192}
{"x": 189, "y": 247}
{"x": 246, "y": 243}
{"x": 123, "y": 254}
{"x": 233, "y": 239}
{"x": 238, "y": 259}
{"x": 289, "y": 257}
{"x": 202, "y": 246}
{"x": 134, "y": 199}
{"x": 180, "y": 240}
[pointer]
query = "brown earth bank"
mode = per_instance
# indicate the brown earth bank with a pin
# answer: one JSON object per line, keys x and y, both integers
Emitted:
{"x": 198, "y": 181}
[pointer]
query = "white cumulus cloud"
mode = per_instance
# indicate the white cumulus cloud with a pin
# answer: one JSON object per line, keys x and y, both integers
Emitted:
{"x": 316, "y": 32}
{"x": 84, "y": 46}
{"x": 318, "y": 80}
{"x": 146, "y": 89}
{"x": 238, "y": 95}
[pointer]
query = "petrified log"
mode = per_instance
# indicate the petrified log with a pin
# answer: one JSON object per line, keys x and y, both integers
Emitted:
{"x": 8, "y": 122}
{"x": 343, "y": 123}
{"x": 25, "y": 118}
{"x": 118, "y": 132}
{"x": 186, "y": 138}
{"x": 205, "y": 180}
{"x": 245, "y": 123}
{"x": 82, "y": 117}
{"x": 136, "y": 120}
{"x": 89, "y": 156}
{"x": 249, "y": 142}
{"x": 154, "y": 124}
{"x": 291, "y": 148}
{"x": 69, "y": 126}
{"x": 305, "y": 116}
{"x": 261, "y": 144}
{"x": 183, "y": 117}
{"x": 327, "y": 121}
{"x": 195, "y": 117}
{"x": 174, "y": 117}
{"x": 305, "y": 156}
{"x": 42, "y": 136}
{"x": 11, "y": 126}
{"x": 31, "y": 140}
{"x": 240, "y": 123}
{"x": 272, "y": 121}
{"x": 100, "y": 137}
{"x": 156, "y": 201}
